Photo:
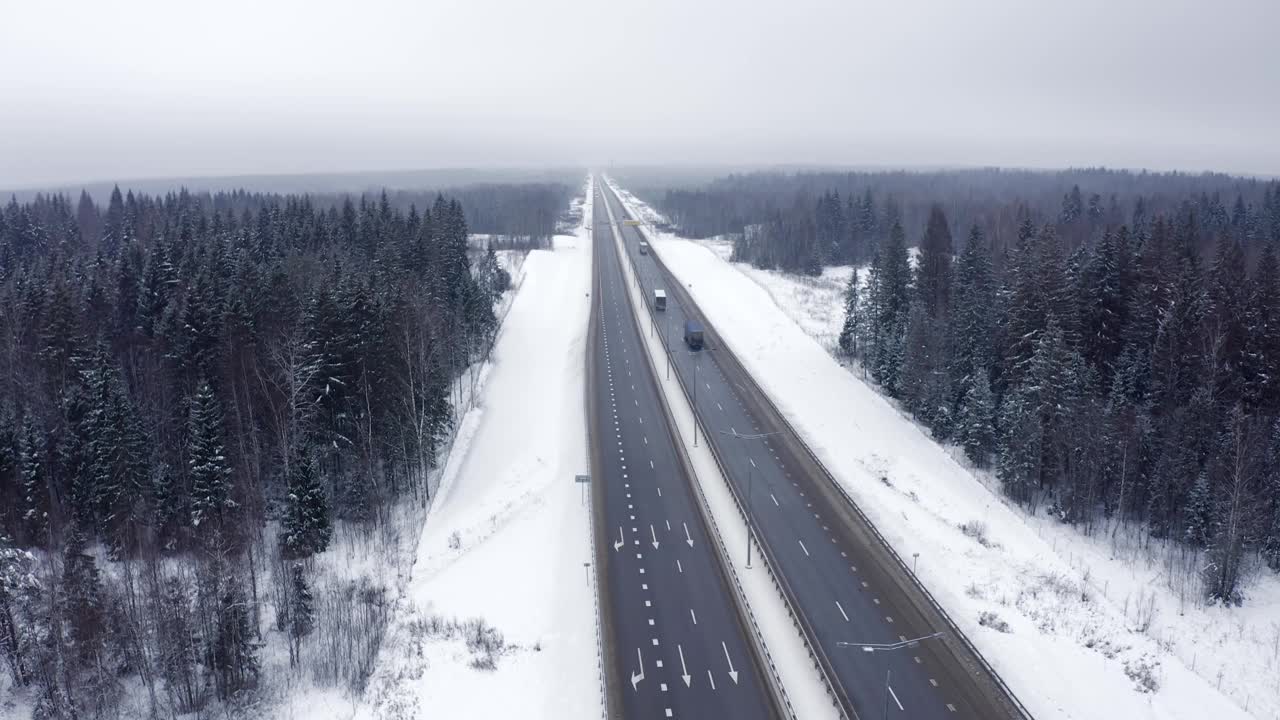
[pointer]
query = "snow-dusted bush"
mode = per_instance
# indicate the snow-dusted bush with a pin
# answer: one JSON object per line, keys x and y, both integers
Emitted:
{"x": 989, "y": 619}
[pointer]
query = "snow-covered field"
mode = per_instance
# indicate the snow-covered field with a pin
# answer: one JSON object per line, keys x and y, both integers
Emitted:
{"x": 1084, "y": 616}
{"x": 499, "y": 575}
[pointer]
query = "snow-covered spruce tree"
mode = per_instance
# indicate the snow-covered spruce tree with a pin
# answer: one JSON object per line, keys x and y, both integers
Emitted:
{"x": 933, "y": 270}
{"x": 207, "y": 464}
{"x": 1199, "y": 513}
{"x": 1107, "y": 283}
{"x": 22, "y": 625}
{"x": 116, "y": 469}
{"x": 973, "y": 317}
{"x": 975, "y": 425}
{"x": 923, "y": 378}
{"x": 306, "y": 528}
{"x": 1226, "y": 317}
{"x": 848, "y": 340}
{"x": 1026, "y": 307}
{"x": 1261, "y": 374}
{"x": 35, "y": 494}
{"x": 889, "y": 308}
{"x": 1020, "y": 447}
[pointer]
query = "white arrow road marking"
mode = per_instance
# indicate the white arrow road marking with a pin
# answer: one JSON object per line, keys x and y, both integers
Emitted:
{"x": 636, "y": 678}
{"x": 733, "y": 674}
{"x": 654, "y": 535}
{"x": 684, "y": 671}
{"x": 687, "y": 538}
{"x": 621, "y": 541}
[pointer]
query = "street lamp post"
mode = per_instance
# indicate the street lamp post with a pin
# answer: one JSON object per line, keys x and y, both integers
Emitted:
{"x": 887, "y": 647}
{"x": 751, "y": 477}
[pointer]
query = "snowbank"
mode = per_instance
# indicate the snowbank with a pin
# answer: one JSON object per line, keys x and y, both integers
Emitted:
{"x": 1074, "y": 646}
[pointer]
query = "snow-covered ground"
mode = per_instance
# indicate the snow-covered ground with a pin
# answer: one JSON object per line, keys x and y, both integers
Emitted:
{"x": 1084, "y": 615}
{"x": 500, "y": 564}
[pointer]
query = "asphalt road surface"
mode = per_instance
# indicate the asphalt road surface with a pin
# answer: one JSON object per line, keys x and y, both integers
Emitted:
{"x": 838, "y": 576}
{"x": 678, "y": 645}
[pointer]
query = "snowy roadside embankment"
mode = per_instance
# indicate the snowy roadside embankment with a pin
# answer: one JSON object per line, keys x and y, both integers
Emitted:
{"x": 498, "y": 619}
{"x": 1069, "y": 644}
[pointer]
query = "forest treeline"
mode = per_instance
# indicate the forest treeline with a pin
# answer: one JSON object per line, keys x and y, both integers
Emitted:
{"x": 525, "y": 215}
{"x": 1107, "y": 342}
{"x": 194, "y": 390}
{"x": 801, "y": 222}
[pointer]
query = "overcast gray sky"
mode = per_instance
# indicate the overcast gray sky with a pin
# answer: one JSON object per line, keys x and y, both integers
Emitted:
{"x": 143, "y": 88}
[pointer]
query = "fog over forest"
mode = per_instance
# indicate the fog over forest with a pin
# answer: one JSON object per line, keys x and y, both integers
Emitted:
{"x": 108, "y": 92}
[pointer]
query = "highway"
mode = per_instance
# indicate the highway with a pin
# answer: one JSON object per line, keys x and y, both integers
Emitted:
{"x": 677, "y": 642}
{"x": 837, "y": 575}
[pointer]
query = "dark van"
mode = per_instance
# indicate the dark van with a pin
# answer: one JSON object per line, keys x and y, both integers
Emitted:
{"x": 693, "y": 335}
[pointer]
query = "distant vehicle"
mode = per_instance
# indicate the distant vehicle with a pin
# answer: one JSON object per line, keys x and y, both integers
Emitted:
{"x": 692, "y": 335}
{"x": 659, "y": 299}
{"x": 644, "y": 248}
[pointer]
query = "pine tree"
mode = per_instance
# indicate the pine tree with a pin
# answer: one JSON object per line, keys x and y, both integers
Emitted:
{"x": 1027, "y": 307}
{"x": 1261, "y": 364}
{"x": 1199, "y": 513}
{"x": 306, "y": 529}
{"x": 973, "y": 320}
{"x": 35, "y": 494}
{"x": 1020, "y": 447}
{"x": 21, "y": 626}
{"x": 207, "y": 463}
{"x": 1226, "y": 317}
{"x": 925, "y": 389}
{"x": 849, "y": 331}
{"x": 1051, "y": 387}
{"x": 60, "y": 333}
{"x": 116, "y": 471}
{"x": 933, "y": 269}
{"x": 976, "y": 418}
{"x": 82, "y": 602}
{"x": 889, "y": 305}
{"x": 1107, "y": 283}
{"x": 1175, "y": 356}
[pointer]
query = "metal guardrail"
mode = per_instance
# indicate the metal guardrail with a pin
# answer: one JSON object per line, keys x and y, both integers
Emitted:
{"x": 902, "y": 565}
{"x": 595, "y": 599}
{"x": 722, "y": 550}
